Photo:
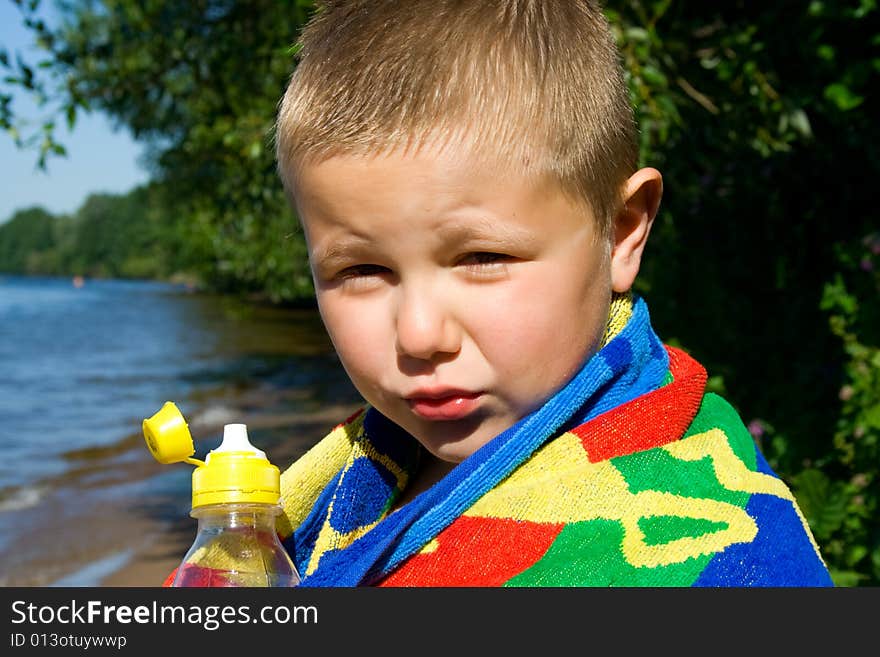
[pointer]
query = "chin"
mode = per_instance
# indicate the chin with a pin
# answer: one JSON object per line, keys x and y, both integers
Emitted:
{"x": 454, "y": 441}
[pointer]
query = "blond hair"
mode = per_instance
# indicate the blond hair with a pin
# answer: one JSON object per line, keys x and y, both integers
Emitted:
{"x": 534, "y": 84}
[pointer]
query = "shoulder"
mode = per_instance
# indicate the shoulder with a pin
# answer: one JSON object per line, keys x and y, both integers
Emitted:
{"x": 333, "y": 447}
{"x": 716, "y": 417}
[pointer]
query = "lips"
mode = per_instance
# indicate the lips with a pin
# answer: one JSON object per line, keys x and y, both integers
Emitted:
{"x": 443, "y": 404}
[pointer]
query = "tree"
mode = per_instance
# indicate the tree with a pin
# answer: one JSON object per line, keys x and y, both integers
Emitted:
{"x": 27, "y": 236}
{"x": 198, "y": 81}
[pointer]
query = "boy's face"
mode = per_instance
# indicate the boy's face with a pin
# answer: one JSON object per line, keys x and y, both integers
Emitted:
{"x": 458, "y": 297}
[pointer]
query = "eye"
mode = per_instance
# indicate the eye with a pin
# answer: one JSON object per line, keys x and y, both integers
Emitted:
{"x": 485, "y": 263}
{"x": 356, "y": 271}
{"x": 361, "y": 277}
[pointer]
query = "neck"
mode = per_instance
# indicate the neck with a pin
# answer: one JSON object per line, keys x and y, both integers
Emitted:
{"x": 429, "y": 471}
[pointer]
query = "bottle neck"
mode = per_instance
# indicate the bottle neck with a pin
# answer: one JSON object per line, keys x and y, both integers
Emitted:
{"x": 237, "y": 515}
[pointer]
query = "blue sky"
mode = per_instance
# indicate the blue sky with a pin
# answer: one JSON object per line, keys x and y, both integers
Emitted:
{"x": 99, "y": 159}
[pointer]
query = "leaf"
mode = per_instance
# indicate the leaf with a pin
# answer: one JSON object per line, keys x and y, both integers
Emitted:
{"x": 826, "y": 52}
{"x": 800, "y": 122}
{"x": 715, "y": 384}
{"x": 846, "y": 578}
{"x": 654, "y": 76}
{"x": 824, "y": 503}
{"x": 636, "y": 34}
{"x": 842, "y": 96}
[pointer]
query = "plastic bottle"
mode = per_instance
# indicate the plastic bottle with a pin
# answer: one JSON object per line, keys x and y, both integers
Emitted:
{"x": 235, "y": 498}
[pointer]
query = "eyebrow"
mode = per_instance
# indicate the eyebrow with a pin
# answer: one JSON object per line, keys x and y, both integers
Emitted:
{"x": 340, "y": 248}
{"x": 484, "y": 228}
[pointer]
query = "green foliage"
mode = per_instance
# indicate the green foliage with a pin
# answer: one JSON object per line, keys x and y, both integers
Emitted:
{"x": 850, "y": 300}
{"x": 830, "y": 507}
{"x": 118, "y": 236}
{"x": 25, "y": 241}
{"x": 199, "y": 83}
{"x": 739, "y": 125}
{"x": 27, "y": 78}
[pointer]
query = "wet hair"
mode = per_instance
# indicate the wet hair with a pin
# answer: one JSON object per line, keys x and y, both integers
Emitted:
{"x": 536, "y": 86}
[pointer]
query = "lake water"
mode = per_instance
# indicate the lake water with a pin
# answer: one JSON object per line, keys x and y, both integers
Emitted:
{"x": 82, "y": 366}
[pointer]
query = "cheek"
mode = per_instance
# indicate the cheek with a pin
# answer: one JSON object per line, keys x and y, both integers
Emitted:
{"x": 357, "y": 335}
{"x": 541, "y": 332}
{"x": 518, "y": 326}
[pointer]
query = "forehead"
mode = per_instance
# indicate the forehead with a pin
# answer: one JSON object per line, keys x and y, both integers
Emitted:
{"x": 437, "y": 171}
{"x": 431, "y": 189}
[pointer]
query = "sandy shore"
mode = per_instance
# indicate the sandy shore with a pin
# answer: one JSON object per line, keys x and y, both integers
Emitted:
{"x": 151, "y": 566}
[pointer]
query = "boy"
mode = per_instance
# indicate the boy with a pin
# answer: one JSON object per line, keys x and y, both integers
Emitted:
{"x": 465, "y": 174}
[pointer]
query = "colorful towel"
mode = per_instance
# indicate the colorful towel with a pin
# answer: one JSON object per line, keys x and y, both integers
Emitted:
{"x": 631, "y": 475}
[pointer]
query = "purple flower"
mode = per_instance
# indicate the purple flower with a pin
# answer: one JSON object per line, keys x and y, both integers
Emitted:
{"x": 756, "y": 428}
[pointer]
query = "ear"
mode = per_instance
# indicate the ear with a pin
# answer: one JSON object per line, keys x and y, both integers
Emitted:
{"x": 641, "y": 200}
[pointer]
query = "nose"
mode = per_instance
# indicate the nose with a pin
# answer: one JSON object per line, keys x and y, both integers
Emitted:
{"x": 426, "y": 325}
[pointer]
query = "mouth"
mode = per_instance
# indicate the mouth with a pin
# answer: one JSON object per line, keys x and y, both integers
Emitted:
{"x": 443, "y": 404}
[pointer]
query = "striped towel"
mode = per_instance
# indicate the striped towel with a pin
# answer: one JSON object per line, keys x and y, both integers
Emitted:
{"x": 630, "y": 475}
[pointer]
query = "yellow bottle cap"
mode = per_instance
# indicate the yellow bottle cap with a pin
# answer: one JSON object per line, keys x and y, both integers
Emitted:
{"x": 236, "y": 472}
{"x": 167, "y": 435}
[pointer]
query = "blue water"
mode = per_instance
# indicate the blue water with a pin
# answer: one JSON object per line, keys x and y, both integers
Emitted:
{"x": 81, "y": 367}
{"x": 79, "y": 364}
